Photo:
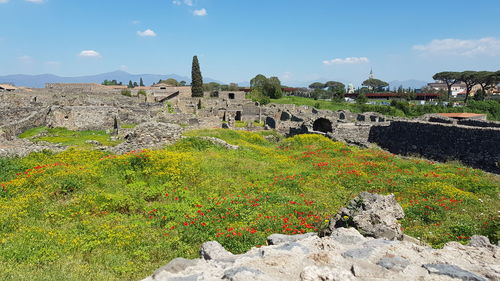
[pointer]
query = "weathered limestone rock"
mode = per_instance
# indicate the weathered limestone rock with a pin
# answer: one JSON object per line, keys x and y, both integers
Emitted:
{"x": 372, "y": 214}
{"x": 222, "y": 143}
{"x": 176, "y": 265}
{"x": 453, "y": 271}
{"x": 315, "y": 258}
{"x": 213, "y": 250}
{"x": 276, "y": 239}
{"x": 314, "y": 273}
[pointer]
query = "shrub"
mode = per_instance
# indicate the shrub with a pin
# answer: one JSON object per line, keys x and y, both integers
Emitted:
{"x": 126, "y": 93}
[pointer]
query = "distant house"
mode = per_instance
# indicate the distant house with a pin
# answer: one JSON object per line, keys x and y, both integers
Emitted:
{"x": 392, "y": 95}
{"x": 7, "y": 88}
{"x": 456, "y": 88}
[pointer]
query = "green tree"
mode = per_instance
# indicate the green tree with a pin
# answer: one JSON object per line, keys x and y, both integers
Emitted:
{"x": 317, "y": 85}
{"x": 469, "y": 78}
{"x": 182, "y": 83}
{"x": 272, "y": 88}
{"x": 135, "y": 84}
{"x": 375, "y": 84}
{"x": 480, "y": 95}
{"x": 212, "y": 86}
{"x": 361, "y": 98}
{"x": 130, "y": 84}
{"x": 141, "y": 83}
{"x": 448, "y": 77}
{"x": 487, "y": 80}
{"x": 258, "y": 82}
{"x": 196, "y": 79}
{"x": 170, "y": 81}
{"x": 269, "y": 87}
{"x": 336, "y": 89}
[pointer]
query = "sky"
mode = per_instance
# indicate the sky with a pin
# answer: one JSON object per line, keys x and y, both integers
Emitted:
{"x": 297, "y": 41}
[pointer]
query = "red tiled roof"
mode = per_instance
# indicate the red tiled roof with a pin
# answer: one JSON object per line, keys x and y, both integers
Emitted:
{"x": 460, "y": 115}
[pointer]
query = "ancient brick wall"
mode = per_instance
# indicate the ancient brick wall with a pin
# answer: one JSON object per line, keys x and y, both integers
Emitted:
{"x": 474, "y": 146}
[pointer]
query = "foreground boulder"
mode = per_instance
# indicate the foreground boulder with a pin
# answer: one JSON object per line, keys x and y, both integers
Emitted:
{"x": 372, "y": 215}
{"x": 343, "y": 256}
{"x": 363, "y": 242}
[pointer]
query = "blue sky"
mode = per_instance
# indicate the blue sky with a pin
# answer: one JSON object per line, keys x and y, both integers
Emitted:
{"x": 237, "y": 39}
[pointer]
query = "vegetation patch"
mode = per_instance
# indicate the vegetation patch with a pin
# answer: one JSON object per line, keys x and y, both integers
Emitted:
{"x": 398, "y": 108}
{"x": 68, "y": 137}
{"x": 90, "y": 215}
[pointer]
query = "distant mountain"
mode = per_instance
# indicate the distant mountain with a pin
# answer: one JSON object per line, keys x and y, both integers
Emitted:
{"x": 414, "y": 84}
{"x": 39, "y": 81}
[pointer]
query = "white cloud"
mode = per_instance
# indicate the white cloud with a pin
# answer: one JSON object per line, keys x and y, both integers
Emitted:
{"x": 350, "y": 60}
{"x": 3, "y": 1}
{"x": 89, "y": 54}
{"x": 146, "y": 33}
{"x": 36, "y": 1}
{"x": 26, "y": 59}
{"x": 485, "y": 46}
{"x": 185, "y": 2}
{"x": 200, "y": 13}
{"x": 136, "y": 22}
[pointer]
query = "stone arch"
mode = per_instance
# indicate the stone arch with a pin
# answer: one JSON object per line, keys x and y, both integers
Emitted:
{"x": 285, "y": 116}
{"x": 323, "y": 125}
{"x": 271, "y": 122}
{"x": 238, "y": 116}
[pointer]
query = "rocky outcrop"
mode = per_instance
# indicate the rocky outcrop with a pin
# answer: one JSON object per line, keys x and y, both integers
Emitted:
{"x": 372, "y": 214}
{"x": 149, "y": 135}
{"x": 342, "y": 253}
{"x": 345, "y": 255}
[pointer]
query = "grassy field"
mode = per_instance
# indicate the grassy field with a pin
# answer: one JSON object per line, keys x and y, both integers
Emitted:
{"x": 67, "y": 137}
{"x": 88, "y": 215}
{"x": 490, "y": 107}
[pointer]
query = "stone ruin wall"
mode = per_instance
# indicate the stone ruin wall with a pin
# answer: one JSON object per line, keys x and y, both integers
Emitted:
{"x": 477, "y": 147}
{"x": 473, "y": 142}
{"x": 10, "y": 130}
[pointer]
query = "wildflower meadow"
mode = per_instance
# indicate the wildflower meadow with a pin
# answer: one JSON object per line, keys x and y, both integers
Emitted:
{"x": 89, "y": 215}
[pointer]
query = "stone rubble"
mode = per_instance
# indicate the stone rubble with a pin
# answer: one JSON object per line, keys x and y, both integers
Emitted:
{"x": 346, "y": 255}
{"x": 149, "y": 135}
{"x": 372, "y": 214}
{"x": 342, "y": 253}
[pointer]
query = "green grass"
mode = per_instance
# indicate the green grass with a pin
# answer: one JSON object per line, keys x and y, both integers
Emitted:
{"x": 240, "y": 124}
{"x": 67, "y": 137}
{"x": 88, "y": 215}
{"x": 489, "y": 107}
{"x": 334, "y": 106}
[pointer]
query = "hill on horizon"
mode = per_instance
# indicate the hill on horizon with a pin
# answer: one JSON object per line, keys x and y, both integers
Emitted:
{"x": 39, "y": 81}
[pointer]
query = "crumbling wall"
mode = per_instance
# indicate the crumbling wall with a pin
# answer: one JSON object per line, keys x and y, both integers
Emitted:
{"x": 16, "y": 127}
{"x": 83, "y": 117}
{"x": 474, "y": 146}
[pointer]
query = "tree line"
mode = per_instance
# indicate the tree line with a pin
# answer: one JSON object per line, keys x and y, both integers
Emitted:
{"x": 486, "y": 79}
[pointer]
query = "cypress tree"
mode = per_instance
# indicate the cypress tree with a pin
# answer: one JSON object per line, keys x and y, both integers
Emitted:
{"x": 196, "y": 79}
{"x": 141, "y": 83}
{"x": 130, "y": 85}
